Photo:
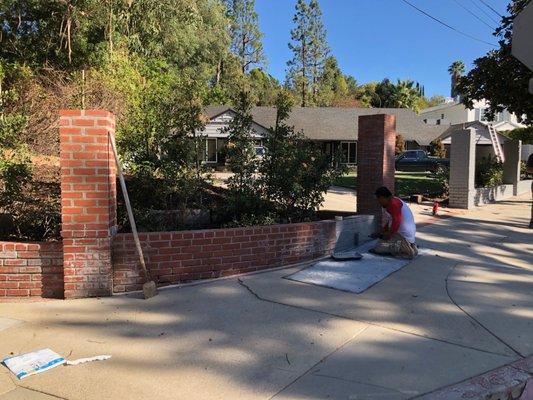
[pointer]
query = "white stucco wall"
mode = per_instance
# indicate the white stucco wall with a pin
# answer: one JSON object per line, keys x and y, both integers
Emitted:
{"x": 458, "y": 113}
{"x": 454, "y": 114}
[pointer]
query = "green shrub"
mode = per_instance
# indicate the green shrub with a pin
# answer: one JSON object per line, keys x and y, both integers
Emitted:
{"x": 489, "y": 172}
{"x": 295, "y": 173}
{"x": 442, "y": 175}
{"x": 244, "y": 195}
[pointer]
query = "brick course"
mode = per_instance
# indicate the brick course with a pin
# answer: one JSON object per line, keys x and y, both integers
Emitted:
{"x": 174, "y": 257}
{"x": 31, "y": 269}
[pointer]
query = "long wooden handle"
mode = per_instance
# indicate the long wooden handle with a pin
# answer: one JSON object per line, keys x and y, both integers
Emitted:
{"x": 128, "y": 208}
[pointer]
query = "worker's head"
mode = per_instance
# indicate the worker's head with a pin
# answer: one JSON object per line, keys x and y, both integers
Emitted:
{"x": 383, "y": 195}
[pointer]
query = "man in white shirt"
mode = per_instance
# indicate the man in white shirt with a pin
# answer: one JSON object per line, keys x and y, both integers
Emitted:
{"x": 398, "y": 233}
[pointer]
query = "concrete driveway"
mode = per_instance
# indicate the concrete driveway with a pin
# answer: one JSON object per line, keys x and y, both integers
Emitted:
{"x": 459, "y": 312}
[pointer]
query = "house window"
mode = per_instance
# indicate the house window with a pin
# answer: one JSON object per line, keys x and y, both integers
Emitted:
{"x": 211, "y": 150}
{"x": 349, "y": 152}
{"x": 482, "y": 116}
{"x": 207, "y": 151}
{"x": 327, "y": 149}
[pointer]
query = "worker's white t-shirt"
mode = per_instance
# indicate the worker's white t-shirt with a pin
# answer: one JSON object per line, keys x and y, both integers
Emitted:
{"x": 401, "y": 210}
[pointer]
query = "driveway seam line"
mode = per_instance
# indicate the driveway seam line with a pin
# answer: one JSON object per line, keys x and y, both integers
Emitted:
{"x": 452, "y": 269}
{"x": 319, "y": 362}
{"x": 361, "y": 383}
{"x": 42, "y": 392}
{"x": 241, "y": 282}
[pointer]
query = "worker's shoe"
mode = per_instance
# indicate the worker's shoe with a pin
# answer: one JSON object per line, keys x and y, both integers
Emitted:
{"x": 408, "y": 250}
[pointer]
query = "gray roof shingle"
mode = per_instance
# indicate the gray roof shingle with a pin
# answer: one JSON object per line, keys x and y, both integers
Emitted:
{"x": 332, "y": 123}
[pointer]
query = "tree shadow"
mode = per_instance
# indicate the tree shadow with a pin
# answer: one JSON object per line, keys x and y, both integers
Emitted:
{"x": 224, "y": 339}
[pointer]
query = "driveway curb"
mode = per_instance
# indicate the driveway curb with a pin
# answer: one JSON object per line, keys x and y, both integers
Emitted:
{"x": 504, "y": 383}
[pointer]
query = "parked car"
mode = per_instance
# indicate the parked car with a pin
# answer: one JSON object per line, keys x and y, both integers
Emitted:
{"x": 419, "y": 161}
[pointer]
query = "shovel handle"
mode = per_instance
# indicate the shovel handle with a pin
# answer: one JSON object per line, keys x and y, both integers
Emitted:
{"x": 128, "y": 208}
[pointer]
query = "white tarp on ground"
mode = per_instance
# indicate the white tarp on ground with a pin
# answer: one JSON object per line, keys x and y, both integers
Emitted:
{"x": 354, "y": 276}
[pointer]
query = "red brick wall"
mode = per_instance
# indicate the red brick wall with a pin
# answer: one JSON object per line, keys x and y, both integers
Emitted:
{"x": 31, "y": 269}
{"x": 175, "y": 257}
{"x": 88, "y": 200}
{"x": 375, "y": 159}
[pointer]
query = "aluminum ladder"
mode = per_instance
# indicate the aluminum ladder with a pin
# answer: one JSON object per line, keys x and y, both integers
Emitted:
{"x": 496, "y": 145}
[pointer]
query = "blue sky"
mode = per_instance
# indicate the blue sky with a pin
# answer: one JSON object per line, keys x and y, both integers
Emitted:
{"x": 373, "y": 39}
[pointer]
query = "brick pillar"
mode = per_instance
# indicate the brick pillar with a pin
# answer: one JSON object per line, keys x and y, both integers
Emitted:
{"x": 88, "y": 201}
{"x": 375, "y": 160}
{"x": 462, "y": 168}
{"x": 512, "y": 150}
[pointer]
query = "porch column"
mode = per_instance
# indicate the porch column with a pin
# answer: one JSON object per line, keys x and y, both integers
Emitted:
{"x": 511, "y": 167}
{"x": 375, "y": 160}
{"x": 462, "y": 168}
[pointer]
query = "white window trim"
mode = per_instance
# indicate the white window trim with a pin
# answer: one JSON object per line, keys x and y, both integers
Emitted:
{"x": 356, "y": 150}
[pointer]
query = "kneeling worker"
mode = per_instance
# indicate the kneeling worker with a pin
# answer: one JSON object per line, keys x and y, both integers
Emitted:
{"x": 398, "y": 234}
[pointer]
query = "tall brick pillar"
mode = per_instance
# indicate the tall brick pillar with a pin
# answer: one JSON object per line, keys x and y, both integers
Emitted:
{"x": 88, "y": 201}
{"x": 462, "y": 168}
{"x": 511, "y": 167}
{"x": 375, "y": 160}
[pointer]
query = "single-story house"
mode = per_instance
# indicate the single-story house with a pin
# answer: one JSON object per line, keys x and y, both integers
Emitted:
{"x": 331, "y": 128}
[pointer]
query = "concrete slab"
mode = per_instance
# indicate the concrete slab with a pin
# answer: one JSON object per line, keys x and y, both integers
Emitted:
{"x": 6, "y": 382}
{"x": 413, "y": 300}
{"x": 25, "y": 394}
{"x": 498, "y": 297}
{"x": 6, "y": 323}
{"x": 210, "y": 341}
{"x": 319, "y": 387}
{"x": 400, "y": 363}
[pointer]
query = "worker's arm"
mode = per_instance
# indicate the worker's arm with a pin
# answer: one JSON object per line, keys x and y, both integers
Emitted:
{"x": 395, "y": 211}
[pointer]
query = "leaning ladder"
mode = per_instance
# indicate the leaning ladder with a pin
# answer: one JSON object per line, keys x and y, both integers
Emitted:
{"x": 496, "y": 145}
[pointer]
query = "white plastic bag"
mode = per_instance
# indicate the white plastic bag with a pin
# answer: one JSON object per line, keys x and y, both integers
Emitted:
{"x": 33, "y": 363}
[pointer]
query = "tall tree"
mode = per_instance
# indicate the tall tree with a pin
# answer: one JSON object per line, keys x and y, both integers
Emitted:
{"x": 456, "y": 70}
{"x": 242, "y": 160}
{"x": 332, "y": 85}
{"x": 245, "y": 33}
{"x": 299, "y": 74}
{"x": 319, "y": 49}
{"x": 499, "y": 77}
{"x": 264, "y": 87}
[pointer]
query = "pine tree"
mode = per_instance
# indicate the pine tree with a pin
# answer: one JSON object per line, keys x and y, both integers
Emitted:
{"x": 299, "y": 67}
{"x": 318, "y": 45}
{"x": 246, "y": 35}
{"x": 310, "y": 50}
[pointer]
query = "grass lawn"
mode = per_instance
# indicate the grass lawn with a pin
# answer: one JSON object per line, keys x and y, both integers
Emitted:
{"x": 407, "y": 183}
